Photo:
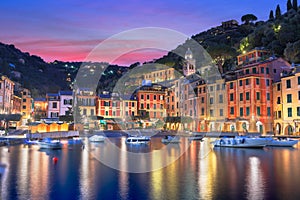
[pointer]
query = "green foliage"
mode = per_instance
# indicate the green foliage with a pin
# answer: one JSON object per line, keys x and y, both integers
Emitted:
{"x": 248, "y": 18}
{"x": 289, "y": 5}
{"x": 278, "y": 12}
{"x": 271, "y": 15}
{"x": 295, "y": 5}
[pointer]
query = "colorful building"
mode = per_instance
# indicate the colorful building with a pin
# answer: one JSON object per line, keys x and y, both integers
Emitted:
{"x": 53, "y": 103}
{"x": 40, "y": 108}
{"x": 66, "y": 102}
{"x": 6, "y": 95}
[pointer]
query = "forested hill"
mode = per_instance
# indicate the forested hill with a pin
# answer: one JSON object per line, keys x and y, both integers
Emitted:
{"x": 280, "y": 34}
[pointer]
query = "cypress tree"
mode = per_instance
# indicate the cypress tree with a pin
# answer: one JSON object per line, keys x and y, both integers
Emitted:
{"x": 289, "y": 5}
{"x": 278, "y": 12}
{"x": 295, "y": 5}
{"x": 271, "y": 16}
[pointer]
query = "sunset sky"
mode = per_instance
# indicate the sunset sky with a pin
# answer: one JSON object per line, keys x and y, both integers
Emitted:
{"x": 68, "y": 30}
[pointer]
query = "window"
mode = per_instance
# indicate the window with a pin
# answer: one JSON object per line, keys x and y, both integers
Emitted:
{"x": 254, "y": 70}
{"x": 289, "y": 98}
{"x": 274, "y": 70}
{"x": 221, "y": 113}
{"x": 218, "y": 87}
{"x": 241, "y": 112}
{"x": 231, "y": 96}
{"x": 241, "y": 82}
{"x": 231, "y": 85}
{"x": 298, "y": 111}
{"x": 232, "y": 110}
{"x": 288, "y": 83}
{"x": 268, "y": 82}
{"x": 262, "y": 70}
{"x": 24, "y": 107}
{"x": 257, "y": 95}
{"x": 298, "y": 80}
{"x": 202, "y": 111}
{"x": 220, "y": 98}
{"x": 247, "y": 82}
{"x": 298, "y": 95}
{"x": 54, "y": 105}
{"x": 269, "y": 111}
{"x": 211, "y": 88}
{"x": 148, "y": 96}
{"x": 257, "y": 81}
{"x": 267, "y": 70}
{"x": 248, "y": 96}
{"x": 268, "y": 96}
{"x": 258, "y": 111}
{"x": 278, "y": 100}
{"x": 142, "y": 96}
{"x": 247, "y": 111}
{"x": 241, "y": 97}
{"x": 202, "y": 99}
{"x": 278, "y": 87}
{"x": 247, "y": 71}
{"x": 154, "y": 106}
{"x": 126, "y": 104}
{"x": 148, "y": 106}
{"x": 200, "y": 90}
{"x": 290, "y": 112}
{"x": 84, "y": 112}
{"x": 142, "y": 106}
{"x": 211, "y": 112}
{"x": 92, "y": 112}
{"x": 161, "y": 106}
{"x": 279, "y": 114}
{"x": 24, "y": 100}
{"x": 132, "y": 104}
{"x": 154, "y": 97}
{"x": 211, "y": 100}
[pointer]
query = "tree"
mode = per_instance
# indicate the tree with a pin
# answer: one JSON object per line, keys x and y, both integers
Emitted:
{"x": 295, "y": 5}
{"x": 278, "y": 12}
{"x": 248, "y": 18}
{"x": 289, "y": 5}
{"x": 271, "y": 16}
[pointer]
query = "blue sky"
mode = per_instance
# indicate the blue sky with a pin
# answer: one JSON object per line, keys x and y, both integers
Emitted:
{"x": 69, "y": 29}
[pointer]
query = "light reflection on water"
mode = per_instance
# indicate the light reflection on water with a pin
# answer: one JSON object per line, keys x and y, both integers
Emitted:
{"x": 200, "y": 173}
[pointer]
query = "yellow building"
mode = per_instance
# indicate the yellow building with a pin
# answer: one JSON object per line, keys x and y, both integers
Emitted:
{"x": 287, "y": 104}
{"x": 26, "y": 106}
{"x": 160, "y": 75}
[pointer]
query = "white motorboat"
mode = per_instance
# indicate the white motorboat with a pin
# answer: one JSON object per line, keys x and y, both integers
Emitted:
{"x": 196, "y": 136}
{"x": 97, "y": 138}
{"x": 50, "y": 144}
{"x": 138, "y": 140}
{"x": 171, "y": 139}
{"x": 242, "y": 142}
{"x": 282, "y": 142}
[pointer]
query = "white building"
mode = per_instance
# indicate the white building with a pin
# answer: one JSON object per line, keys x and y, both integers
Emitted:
{"x": 53, "y": 105}
{"x": 66, "y": 101}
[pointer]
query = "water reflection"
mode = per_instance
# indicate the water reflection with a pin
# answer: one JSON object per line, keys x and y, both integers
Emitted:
{"x": 200, "y": 173}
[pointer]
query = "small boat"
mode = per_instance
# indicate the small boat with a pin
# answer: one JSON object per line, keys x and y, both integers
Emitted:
{"x": 138, "y": 140}
{"x": 49, "y": 143}
{"x": 241, "y": 142}
{"x": 31, "y": 142}
{"x": 97, "y": 138}
{"x": 282, "y": 142}
{"x": 171, "y": 139}
{"x": 196, "y": 136}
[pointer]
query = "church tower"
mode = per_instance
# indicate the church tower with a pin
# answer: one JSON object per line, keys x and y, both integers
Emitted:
{"x": 190, "y": 66}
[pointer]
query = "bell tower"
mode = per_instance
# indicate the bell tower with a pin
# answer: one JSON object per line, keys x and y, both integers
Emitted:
{"x": 189, "y": 68}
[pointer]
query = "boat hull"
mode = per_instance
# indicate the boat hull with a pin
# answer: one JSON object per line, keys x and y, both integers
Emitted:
{"x": 47, "y": 145}
{"x": 241, "y": 142}
{"x": 282, "y": 143}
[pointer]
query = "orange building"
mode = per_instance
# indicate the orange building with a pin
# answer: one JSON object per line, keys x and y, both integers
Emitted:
{"x": 151, "y": 101}
{"x": 250, "y": 93}
{"x": 40, "y": 108}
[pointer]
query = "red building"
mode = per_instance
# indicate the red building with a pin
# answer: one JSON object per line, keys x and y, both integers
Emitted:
{"x": 250, "y": 95}
{"x": 151, "y": 101}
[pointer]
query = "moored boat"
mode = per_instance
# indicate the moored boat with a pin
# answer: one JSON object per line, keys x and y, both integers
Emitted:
{"x": 241, "y": 142}
{"x": 97, "y": 138}
{"x": 196, "y": 136}
{"x": 138, "y": 140}
{"x": 282, "y": 142}
{"x": 171, "y": 139}
{"x": 48, "y": 143}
